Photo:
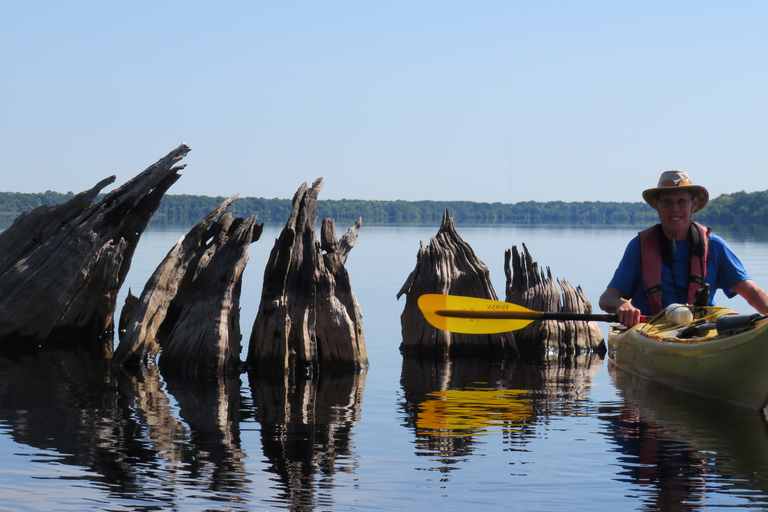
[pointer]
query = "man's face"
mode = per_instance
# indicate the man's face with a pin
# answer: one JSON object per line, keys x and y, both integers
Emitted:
{"x": 675, "y": 209}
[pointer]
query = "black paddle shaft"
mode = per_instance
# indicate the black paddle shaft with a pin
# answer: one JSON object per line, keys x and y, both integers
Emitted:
{"x": 526, "y": 315}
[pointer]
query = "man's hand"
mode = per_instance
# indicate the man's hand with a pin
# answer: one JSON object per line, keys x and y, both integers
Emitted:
{"x": 612, "y": 301}
{"x": 628, "y": 314}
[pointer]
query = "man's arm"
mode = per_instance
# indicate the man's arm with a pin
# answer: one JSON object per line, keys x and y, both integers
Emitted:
{"x": 753, "y": 294}
{"x": 612, "y": 301}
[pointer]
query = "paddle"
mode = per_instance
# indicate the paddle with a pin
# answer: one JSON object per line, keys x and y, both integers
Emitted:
{"x": 482, "y": 316}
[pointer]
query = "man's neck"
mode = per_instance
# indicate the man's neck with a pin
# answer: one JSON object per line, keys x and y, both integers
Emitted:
{"x": 678, "y": 235}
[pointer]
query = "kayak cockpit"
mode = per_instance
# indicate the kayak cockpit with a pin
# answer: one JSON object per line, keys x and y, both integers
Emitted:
{"x": 697, "y": 325}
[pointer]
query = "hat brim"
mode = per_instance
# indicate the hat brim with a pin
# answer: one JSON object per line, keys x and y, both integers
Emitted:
{"x": 697, "y": 190}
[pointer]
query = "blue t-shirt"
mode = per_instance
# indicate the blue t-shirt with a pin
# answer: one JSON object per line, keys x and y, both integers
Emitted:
{"x": 724, "y": 270}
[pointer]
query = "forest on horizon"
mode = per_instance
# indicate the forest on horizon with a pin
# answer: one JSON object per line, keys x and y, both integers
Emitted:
{"x": 739, "y": 208}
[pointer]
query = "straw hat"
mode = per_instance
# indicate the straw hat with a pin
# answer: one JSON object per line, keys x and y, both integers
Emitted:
{"x": 676, "y": 180}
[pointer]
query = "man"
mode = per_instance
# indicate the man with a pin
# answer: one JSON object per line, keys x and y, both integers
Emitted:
{"x": 645, "y": 283}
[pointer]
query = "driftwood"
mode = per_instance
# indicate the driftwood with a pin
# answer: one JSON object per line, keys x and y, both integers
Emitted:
{"x": 448, "y": 265}
{"x": 308, "y": 315}
{"x": 535, "y": 289}
{"x": 189, "y": 310}
{"x": 61, "y": 267}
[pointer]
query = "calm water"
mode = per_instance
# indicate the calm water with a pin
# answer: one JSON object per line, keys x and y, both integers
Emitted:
{"x": 572, "y": 435}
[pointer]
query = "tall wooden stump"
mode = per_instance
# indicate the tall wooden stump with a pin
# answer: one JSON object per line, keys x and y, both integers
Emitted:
{"x": 448, "y": 265}
{"x": 537, "y": 290}
{"x": 190, "y": 306}
{"x": 61, "y": 267}
{"x": 308, "y": 315}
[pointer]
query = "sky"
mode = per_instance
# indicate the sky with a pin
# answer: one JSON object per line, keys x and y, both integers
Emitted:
{"x": 489, "y": 101}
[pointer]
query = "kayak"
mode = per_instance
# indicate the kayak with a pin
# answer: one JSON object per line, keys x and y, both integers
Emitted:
{"x": 698, "y": 356}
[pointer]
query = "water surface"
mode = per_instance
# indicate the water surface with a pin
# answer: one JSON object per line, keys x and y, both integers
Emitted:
{"x": 576, "y": 434}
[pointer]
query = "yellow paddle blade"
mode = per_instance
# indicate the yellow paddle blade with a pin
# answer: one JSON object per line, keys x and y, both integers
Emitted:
{"x": 471, "y": 315}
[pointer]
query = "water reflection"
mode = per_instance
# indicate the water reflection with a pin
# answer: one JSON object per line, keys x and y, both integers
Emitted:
{"x": 306, "y": 433}
{"x": 450, "y": 404}
{"x": 165, "y": 444}
{"x": 212, "y": 409}
{"x": 678, "y": 449}
{"x": 124, "y": 429}
{"x": 473, "y": 411}
{"x": 62, "y": 402}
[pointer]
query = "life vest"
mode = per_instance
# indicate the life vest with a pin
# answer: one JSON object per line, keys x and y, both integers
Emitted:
{"x": 654, "y": 249}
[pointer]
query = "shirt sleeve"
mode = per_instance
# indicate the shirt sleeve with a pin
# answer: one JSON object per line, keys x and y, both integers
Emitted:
{"x": 627, "y": 277}
{"x": 729, "y": 269}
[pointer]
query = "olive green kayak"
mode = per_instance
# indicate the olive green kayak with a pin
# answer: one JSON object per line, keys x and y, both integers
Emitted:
{"x": 697, "y": 358}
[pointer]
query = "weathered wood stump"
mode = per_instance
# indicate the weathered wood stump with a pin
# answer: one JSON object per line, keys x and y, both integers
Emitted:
{"x": 529, "y": 287}
{"x": 308, "y": 316}
{"x": 448, "y": 265}
{"x": 61, "y": 267}
{"x": 189, "y": 311}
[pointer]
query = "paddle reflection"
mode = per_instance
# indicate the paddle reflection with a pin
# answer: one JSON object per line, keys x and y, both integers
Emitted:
{"x": 677, "y": 448}
{"x": 473, "y": 411}
{"x": 306, "y": 431}
{"x": 450, "y": 404}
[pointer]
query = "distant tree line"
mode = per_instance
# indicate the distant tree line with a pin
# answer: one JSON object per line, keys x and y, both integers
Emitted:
{"x": 727, "y": 209}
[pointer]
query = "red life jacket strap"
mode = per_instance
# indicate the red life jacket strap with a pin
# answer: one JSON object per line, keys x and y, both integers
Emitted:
{"x": 654, "y": 249}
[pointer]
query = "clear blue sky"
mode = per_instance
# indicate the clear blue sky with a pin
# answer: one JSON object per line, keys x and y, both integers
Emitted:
{"x": 446, "y": 100}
